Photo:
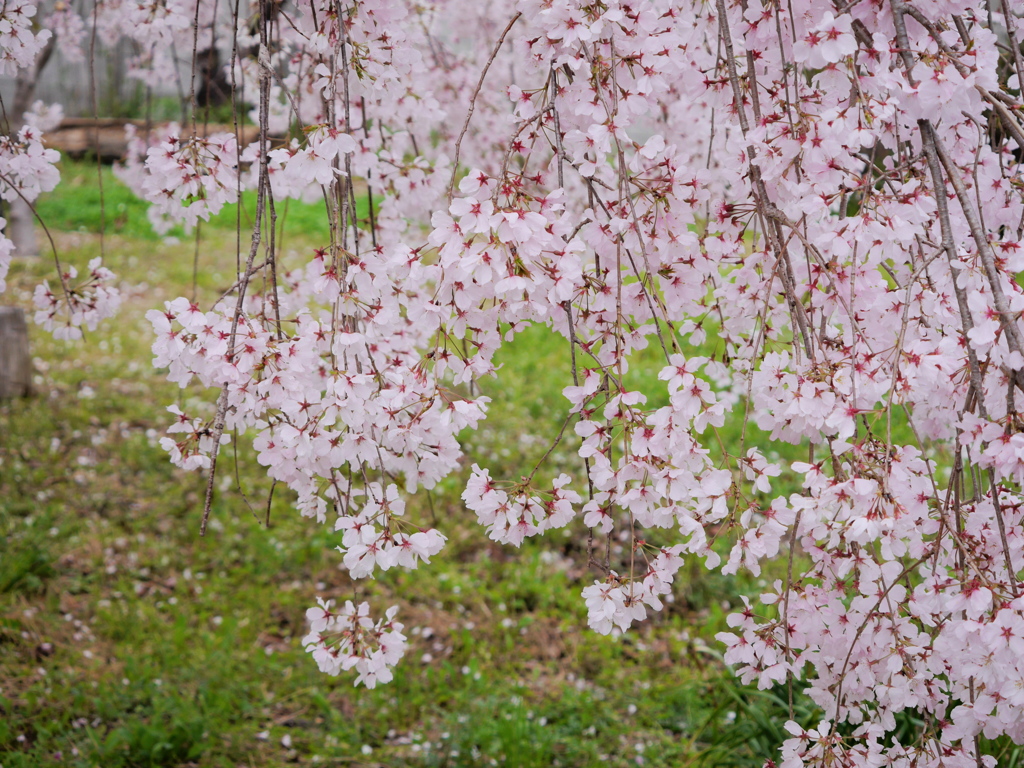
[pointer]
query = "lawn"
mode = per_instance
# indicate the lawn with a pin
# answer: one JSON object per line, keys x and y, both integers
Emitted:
{"x": 126, "y": 639}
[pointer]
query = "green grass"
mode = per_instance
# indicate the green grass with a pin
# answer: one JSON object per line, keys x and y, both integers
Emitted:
{"x": 75, "y": 206}
{"x": 126, "y": 639}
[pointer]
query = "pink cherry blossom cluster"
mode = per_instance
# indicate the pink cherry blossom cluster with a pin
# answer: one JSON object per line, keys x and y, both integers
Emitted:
{"x": 132, "y": 171}
{"x": 193, "y": 449}
{"x": 190, "y": 179}
{"x": 349, "y": 639}
{"x": 65, "y": 310}
{"x": 44, "y": 117}
{"x": 511, "y": 520}
{"x": 68, "y": 27}
{"x": 19, "y": 42}
{"x": 26, "y": 165}
{"x": 365, "y": 547}
{"x": 613, "y": 606}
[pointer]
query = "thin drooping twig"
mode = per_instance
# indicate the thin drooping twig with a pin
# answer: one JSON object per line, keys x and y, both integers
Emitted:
{"x": 1011, "y": 33}
{"x": 343, "y": 185}
{"x": 1016, "y": 132}
{"x": 238, "y": 138}
{"x": 785, "y": 604}
{"x": 271, "y": 259}
{"x": 192, "y": 79}
{"x": 651, "y": 296}
{"x": 988, "y": 261}
{"x": 994, "y": 99}
{"x": 261, "y": 195}
{"x": 773, "y": 212}
{"x": 369, "y": 176}
{"x": 936, "y": 154}
{"x": 238, "y": 477}
{"x": 195, "y": 261}
{"x": 558, "y": 128}
{"x": 1001, "y": 525}
{"x": 46, "y": 230}
{"x": 903, "y": 39}
{"x": 270, "y": 500}
{"x": 770, "y": 227}
{"x": 551, "y": 448}
{"x": 472, "y": 104}
{"x": 863, "y": 625}
{"x": 573, "y": 341}
{"x": 96, "y": 129}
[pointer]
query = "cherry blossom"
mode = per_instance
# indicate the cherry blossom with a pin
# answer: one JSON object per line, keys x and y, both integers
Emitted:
{"x": 349, "y": 639}
{"x": 798, "y": 208}
{"x": 64, "y": 310}
{"x": 809, "y": 214}
{"x": 19, "y": 43}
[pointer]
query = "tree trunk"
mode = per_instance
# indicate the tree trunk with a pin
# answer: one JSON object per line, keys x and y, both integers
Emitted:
{"x": 21, "y": 222}
{"x": 15, "y": 363}
{"x": 21, "y": 228}
{"x": 25, "y": 85}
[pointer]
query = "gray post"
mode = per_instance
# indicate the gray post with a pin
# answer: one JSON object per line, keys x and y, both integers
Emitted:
{"x": 15, "y": 363}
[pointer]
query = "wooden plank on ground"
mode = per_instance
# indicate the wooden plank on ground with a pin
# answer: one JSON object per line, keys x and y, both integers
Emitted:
{"x": 78, "y": 136}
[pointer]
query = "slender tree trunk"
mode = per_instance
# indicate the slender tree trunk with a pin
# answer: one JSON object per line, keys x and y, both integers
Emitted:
{"x": 21, "y": 229}
{"x": 20, "y": 219}
{"x": 25, "y": 86}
